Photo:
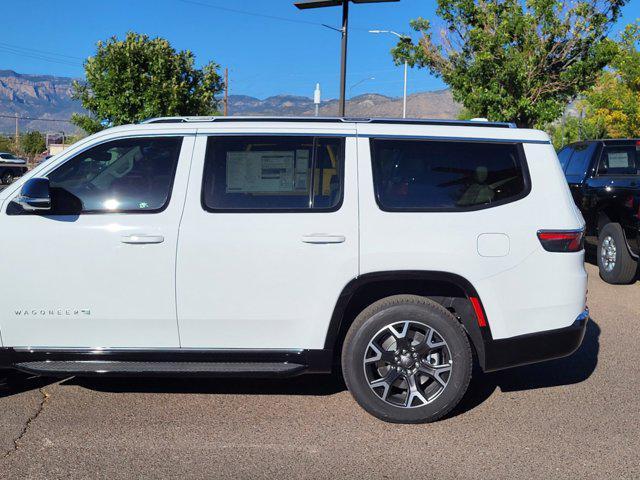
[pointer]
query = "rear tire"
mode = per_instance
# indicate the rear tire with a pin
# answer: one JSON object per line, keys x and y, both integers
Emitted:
{"x": 406, "y": 359}
{"x": 615, "y": 263}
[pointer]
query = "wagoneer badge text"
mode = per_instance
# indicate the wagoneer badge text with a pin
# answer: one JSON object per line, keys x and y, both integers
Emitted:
{"x": 57, "y": 312}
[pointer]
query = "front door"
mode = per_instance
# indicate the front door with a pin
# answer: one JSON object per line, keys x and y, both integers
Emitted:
{"x": 268, "y": 240}
{"x": 99, "y": 269}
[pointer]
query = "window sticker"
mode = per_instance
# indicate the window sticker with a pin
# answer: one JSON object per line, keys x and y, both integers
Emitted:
{"x": 267, "y": 172}
{"x": 618, "y": 160}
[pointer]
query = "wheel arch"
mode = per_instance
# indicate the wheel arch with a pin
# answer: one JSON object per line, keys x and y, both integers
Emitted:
{"x": 449, "y": 289}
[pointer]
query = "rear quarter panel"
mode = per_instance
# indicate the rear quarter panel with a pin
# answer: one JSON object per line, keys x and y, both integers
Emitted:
{"x": 525, "y": 291}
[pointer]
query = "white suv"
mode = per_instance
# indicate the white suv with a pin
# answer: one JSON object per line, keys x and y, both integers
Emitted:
{"x": 396, "y": 251}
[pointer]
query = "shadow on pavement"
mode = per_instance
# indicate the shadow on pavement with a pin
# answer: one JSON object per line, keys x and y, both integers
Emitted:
{"x": 19, "y": 383}
{"x": 564, "y": 371}
{"x": 316, "y": 385}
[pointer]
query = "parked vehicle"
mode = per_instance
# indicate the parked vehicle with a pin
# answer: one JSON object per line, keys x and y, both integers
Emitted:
{"x": 11, "y": 167}
{"x": 395, "y": 251}
{"x": 604, "y": 177}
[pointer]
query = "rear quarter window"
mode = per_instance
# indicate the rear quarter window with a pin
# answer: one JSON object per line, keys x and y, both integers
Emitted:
{"x": 576, "y": 169}
{"x": 429, "y": 175}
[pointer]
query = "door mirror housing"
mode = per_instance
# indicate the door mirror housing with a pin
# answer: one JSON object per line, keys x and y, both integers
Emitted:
{"x": 35, "y": 195}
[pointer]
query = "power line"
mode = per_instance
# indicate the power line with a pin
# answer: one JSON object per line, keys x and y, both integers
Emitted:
{"x": 35, "y": 50}
{"x": 253, "y": 14}
{"x": 21, "y": 53}
{"x": 38, "y": 119}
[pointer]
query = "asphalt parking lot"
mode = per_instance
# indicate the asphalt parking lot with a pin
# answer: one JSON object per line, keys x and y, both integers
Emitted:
{"x": 573, "y": 418}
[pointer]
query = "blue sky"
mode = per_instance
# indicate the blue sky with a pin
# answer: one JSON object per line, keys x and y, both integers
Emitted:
{"x": 266, "y": 56}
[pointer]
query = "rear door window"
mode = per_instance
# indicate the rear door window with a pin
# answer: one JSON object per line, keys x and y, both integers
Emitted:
{"x": 447, "y": 175}
{"x": 273, "y": 173}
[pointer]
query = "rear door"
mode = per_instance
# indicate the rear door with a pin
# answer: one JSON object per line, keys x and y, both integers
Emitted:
{"x": 268, "y": 239}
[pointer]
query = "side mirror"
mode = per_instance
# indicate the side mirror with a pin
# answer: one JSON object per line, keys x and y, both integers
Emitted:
{"x": 34, "y": 195}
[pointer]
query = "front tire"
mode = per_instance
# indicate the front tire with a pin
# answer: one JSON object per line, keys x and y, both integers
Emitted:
{"x": 615, "y": 263}
{"x": 406, "y": 359}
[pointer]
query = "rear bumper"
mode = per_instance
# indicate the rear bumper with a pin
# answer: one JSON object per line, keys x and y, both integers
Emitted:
{"x": 534, "y": 347}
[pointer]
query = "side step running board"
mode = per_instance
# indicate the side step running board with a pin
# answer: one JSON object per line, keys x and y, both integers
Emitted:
{"x": 64, "y": 368}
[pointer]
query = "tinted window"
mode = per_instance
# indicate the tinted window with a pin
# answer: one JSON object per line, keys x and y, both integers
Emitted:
{"x": 564, "y": 155}
{"x": 273, "y": 173}
{"x": 415, "y": 174}
{"x": 618, "y": 160}
{"x": 579, "y": 163}
{"x": 129, "y": 175}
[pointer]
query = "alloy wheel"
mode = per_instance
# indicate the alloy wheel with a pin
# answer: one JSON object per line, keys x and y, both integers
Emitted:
{"x": 608, "y": 253}
{"x": 408, "y": 364}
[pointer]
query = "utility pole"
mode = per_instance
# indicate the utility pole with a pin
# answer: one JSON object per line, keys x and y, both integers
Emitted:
{"x": 404, "y": 95}
{"x": 226, "y": 92}
{"x": 343, "y": 62}
{"x": 17, "y": 132}
{"x": 344, "y": 31}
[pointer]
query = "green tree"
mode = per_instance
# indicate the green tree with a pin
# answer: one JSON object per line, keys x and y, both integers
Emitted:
{"x": 513, "y": 60}
{"x": 32, "y": 143}
{"x": 7, "y": 144}
{"x": 137, "y": 78}
{"x": 575, "y": 129}
{"x": 615, "y": 100}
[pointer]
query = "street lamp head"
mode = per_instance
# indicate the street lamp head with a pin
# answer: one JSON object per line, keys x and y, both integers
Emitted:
{"x": 304, "y": 4}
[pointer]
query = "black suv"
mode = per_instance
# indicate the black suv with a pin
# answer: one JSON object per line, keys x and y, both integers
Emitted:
{"x": 604, "y": 177}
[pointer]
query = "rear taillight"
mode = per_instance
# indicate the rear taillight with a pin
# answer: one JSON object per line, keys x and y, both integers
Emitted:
{"x": 562, "y": 240}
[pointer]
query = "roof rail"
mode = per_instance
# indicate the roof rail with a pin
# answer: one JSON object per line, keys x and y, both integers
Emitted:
{"x": 404, "y": 121}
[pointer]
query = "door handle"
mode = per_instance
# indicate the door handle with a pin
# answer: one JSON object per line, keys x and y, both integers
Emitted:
{"x": 141, "y": 239}
{"x": 323, "y": 238}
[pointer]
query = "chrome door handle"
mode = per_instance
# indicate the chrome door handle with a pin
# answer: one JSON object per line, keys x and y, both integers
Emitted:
{"x": 141, "y": 239}
{"x": 323, "y": 238}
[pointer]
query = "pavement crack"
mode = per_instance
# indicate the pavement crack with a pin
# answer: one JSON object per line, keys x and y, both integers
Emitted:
{"x": 44, "y": 396}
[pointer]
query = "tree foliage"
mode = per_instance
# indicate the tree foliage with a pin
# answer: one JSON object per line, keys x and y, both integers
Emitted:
{"x": 614, "y": 102}
{"x": 137, "y": 78}
{"x": 513, "y": 60}
{"x": 575, "y": 129}
{"x": 32, "y": 143}
{"x": 7, "y": 144}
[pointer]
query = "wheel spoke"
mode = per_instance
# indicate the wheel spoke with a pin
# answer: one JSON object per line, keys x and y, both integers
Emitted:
{"x": 433, "y": 343}
{"x": 399, "y": 334}
{"x": 379, "y": 354}
{"x": 385, "y": 382}
{"x": 436, "y": 371}
{"x": 413, "y": 392}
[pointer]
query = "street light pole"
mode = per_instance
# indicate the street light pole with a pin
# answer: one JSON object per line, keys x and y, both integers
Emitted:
{"x": 406, "y": 67}
{"x": 304, "y": 4}
{"x": 404, "y": 96}
{"x": 343, "y": 61}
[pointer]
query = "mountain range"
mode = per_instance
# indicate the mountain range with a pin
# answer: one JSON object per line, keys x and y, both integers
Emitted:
{"x": 49, "y": 98}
